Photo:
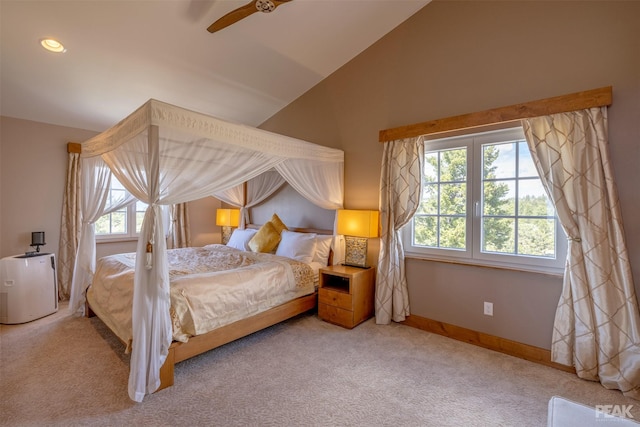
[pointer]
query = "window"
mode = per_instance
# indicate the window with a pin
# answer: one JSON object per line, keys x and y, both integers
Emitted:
{"x": 483, "y": 201}
{"x": 122, "y": 223}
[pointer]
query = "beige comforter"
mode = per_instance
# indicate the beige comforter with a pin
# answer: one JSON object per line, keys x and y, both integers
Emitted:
{"x": 211, "y": 287}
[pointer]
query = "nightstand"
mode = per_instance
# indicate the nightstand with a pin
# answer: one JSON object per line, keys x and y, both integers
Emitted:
{"x": 346, "y": 294}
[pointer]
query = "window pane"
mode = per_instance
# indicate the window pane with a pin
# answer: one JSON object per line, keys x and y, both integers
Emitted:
{"x": 425, "y": 231}
{"x": 141, "y": 209}
{"x": 536, "y": 237}
{"x": 499, "y": 161}
{"x": 453, "y": 199}
{"x": 429, "y": 204}
{"x": 526, "y": 167}
{"x": 119, "y": 222}
{"x": 453, "y": 232}
{"x": 440, "y": 220}
{"x": 102, "y": 224}
{"x": 115, "y": 184}
{"x": 498, "y": 198}
{"x": 453, "y": 165}
{"x": 139, "y": 218}
{"x": 116, "y": 196}
{"x": 532, "y": 199}
{"x": 498, "y": 235}
{"x": 431, "y": 167}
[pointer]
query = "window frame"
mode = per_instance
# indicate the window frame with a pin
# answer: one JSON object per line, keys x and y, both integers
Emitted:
{"x": 473, "y": 253}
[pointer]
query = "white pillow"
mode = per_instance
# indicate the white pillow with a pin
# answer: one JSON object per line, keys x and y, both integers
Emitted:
{"x": 323, "y": 247}
{"x": 298, "y": 246}
{"x": 240, "y": 238}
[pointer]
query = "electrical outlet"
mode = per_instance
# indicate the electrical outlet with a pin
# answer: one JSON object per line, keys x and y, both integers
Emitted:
{"x": 488, "y": 308}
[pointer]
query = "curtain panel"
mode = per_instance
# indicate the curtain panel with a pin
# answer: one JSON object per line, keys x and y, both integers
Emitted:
{"x": 70, "y": 226}
{"x": 400, "y": 194}
{"x": 180, "y": 231}
{"x": 597, "y": 326}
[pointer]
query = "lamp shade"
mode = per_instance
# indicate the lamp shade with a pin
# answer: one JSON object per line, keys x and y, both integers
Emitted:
{"x": 228, "y": 217}
{"x": 358, "y": 223}
{"x": 37, "y": 238}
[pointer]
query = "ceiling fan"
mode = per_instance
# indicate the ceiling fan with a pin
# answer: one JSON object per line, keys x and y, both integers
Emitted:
{"x": 236, "y": 15}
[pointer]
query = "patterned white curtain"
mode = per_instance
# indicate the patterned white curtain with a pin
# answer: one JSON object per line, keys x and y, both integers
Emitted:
{"x": 597, "y": 326}
{"x": 400, "y": 193}
{"x": 70, "y": 226}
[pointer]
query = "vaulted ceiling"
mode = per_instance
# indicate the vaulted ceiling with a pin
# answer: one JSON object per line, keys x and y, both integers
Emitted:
{"x": 120, "y": 53}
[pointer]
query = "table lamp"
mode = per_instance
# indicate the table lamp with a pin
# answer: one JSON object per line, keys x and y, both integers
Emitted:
{"x": 227, "y": 219}
{"x": 357, "y": 226}
{"x": 37, "y": 239}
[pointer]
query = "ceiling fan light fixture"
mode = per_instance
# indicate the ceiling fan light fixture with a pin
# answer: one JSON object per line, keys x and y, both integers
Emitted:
{"x": 265, "y": 6}
{"x": 52, "y": 45}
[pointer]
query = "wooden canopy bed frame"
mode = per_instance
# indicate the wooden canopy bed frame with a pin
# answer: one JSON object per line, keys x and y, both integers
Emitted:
{"x": 180, "y": 351}
{"x": 159, "y": 139}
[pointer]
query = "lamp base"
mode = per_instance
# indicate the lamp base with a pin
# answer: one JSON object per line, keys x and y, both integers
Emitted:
{"x": 226, "y": 234}
{"x": 355, "y": 251}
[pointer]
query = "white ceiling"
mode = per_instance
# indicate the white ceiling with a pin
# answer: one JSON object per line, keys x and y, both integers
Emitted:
{"x": 120, "y": 53}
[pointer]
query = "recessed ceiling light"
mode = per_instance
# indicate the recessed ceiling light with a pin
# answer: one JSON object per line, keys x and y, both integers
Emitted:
{"x": 52, "y": 45}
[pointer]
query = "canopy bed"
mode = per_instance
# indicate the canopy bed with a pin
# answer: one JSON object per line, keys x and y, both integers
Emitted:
{"x": 163, "y": 155}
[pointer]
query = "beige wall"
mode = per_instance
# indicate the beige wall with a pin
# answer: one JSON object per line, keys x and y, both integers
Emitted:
{"x": 33, "y": 160}
{"x": 202, "y": 221}
{"x": 456, "y": 57}
{"x": 34, "y": 167}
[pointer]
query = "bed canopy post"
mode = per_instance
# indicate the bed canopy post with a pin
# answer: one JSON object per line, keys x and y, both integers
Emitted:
{"x": 152, "y": 332}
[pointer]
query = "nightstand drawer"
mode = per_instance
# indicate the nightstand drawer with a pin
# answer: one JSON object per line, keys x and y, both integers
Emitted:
{"x": 335, "y": 315}
{"x": 336, "y": 298}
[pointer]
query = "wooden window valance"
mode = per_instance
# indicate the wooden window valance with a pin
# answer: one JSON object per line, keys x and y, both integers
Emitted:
{"x": 74, "y": 147}
{"x": 543, "y": 107}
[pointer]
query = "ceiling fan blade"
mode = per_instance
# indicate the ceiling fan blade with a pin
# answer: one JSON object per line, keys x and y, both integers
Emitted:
{"x": 244, "y": 11}
{"x": 233, "y": 17}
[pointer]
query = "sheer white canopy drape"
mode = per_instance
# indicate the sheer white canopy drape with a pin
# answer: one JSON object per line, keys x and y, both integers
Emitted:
{"x": 597, "y": 326}
{"x": 308, "y": 177}
{"x": 258, "y": 190}
{"x": 400, "y": 194}
{"x": 95, "y": 202}
{"x": 165, "y": 155}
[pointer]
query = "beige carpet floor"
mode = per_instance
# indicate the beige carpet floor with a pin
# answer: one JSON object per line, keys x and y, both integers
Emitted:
{"x": 68, "y": 371}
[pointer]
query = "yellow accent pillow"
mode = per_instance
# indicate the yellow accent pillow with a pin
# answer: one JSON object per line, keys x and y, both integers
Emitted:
{"x": 266, "y": 239}
{"x": 278, "y": 224}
